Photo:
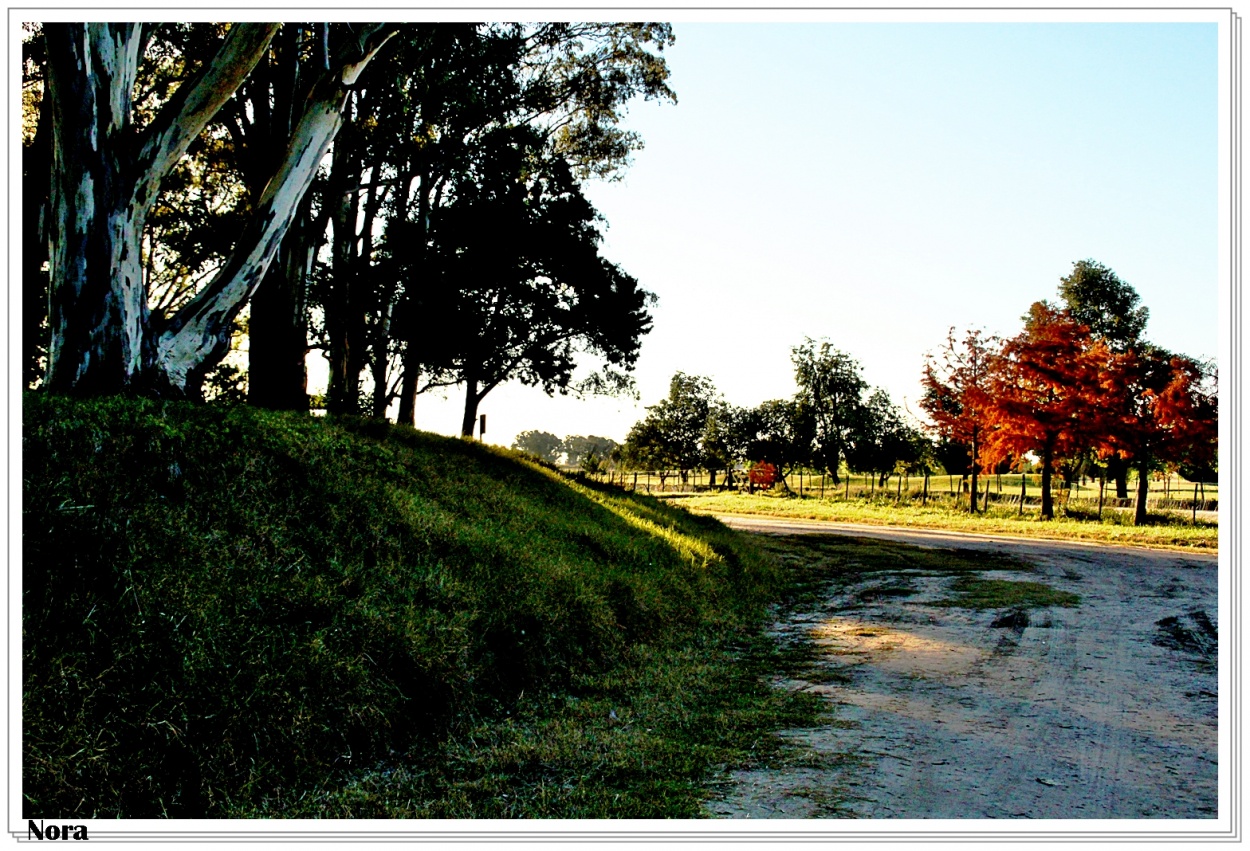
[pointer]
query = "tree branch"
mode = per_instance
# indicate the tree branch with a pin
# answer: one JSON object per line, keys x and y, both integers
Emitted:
{"x": 199, "y": 331}
{"x": 197, "y": 101}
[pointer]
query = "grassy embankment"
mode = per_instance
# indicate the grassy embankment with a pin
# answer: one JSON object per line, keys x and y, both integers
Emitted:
{"x": 1163, "y": 531}
{"x": 233, "y": 613}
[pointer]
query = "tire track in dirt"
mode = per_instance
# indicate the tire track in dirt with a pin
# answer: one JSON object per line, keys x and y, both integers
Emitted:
{"x": 1099, "y": 711}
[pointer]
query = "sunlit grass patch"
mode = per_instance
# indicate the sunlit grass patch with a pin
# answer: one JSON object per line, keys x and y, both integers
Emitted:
{"x": 1165, "y": 531}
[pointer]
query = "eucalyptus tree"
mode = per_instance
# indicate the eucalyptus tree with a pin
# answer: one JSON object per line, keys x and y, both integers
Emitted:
{"x": 254, "y": 123}
{"x": 391, "y": 168}
{"x": 108, "y": 165}
{"x": 566, "y": 84}
{"x": 36, "y": 168}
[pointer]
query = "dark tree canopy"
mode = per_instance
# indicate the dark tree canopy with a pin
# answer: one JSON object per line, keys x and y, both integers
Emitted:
{"x": 831, "y": 388}
{"x": 219, "y": 197}
{"x": 671, "y": 435}
{"x": 1096, "y": 298}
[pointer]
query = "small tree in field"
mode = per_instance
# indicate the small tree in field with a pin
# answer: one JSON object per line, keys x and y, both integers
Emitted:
{"x": 672, "y": 433}
{"x": 783, "y": 431}
{"x": 957, "y": 395}
{"x": 883, "y": 442}
{"x": 1043, "y": 386}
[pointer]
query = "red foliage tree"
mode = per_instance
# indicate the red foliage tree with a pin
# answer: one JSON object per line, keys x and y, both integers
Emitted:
{"x": 1045, "y": 384}
{"x": 1161, "y": 410}
{"x": 957, "y": 394}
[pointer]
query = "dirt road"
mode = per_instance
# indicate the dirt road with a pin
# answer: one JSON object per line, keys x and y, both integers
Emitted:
{"x": 1104, "y": 710}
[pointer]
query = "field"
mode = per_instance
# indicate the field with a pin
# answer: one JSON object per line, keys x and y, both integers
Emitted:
{"x": 1167, "y": 531}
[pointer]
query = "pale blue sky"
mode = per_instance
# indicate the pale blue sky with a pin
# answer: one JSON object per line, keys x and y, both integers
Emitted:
{"x": 876, "y": 184}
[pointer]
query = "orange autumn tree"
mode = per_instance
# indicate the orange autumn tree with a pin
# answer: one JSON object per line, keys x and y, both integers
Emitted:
{"x": 956, "y": 394}
{"x": 1160, "y": 409}
{"x": 1044, "y": 385}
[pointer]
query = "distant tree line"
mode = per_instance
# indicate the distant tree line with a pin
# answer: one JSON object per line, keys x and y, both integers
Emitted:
{"x": 1078, "y": 391}
{"x": 833, "y": 420}
{"x": 590, "y": 453}
{"x": 405, "y": 198}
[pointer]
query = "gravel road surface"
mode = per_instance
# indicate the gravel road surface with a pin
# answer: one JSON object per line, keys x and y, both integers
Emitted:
{"x": 1106, "y": 710}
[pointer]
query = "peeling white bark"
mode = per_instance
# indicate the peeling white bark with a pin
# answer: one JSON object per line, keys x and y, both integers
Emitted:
{"x": 195, "y": 334}
{"x": 199, "y": 333}
{"x": 104, "y": 184}
{"x": 101, "y": 192}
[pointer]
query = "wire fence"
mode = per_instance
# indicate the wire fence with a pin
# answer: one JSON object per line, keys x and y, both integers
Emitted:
{"x": 1165, "y": 493}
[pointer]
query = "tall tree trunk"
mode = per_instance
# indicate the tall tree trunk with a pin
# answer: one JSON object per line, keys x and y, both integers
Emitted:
{"x": 1143, "y": 490}
{"x": 1117, "y": 469}
{"x": 380, "y": 364}
{"x": 411, "y": 331}
{"x": 471, "y": 400}
{"x": 973, "y": 498}
{"x": 36, "y": 168}
{"x": 278, "y": 325}
{"x": 380, "y": 345}
{"x": 97, "y": 308}
{"x": 364, "y": 289}
{"x": 1048, "y": 508}
{"x": 408, "y": 392}
{"x": 343, "y": 394}
{"x": 105, "y": 179}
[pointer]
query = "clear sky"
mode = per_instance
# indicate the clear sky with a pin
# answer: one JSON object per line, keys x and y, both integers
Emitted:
{"x": 876, "y": 184}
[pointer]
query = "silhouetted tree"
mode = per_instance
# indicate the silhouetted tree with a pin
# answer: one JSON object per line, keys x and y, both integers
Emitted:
{"x": 831, "y": 393}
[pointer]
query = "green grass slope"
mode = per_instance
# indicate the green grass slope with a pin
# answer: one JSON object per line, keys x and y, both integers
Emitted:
{"x": 233, "y": 612}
